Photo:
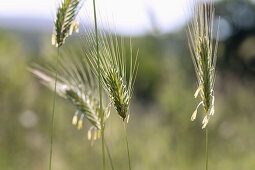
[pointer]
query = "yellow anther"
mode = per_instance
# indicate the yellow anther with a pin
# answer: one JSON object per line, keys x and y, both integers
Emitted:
{"x": 53, "y": 39}
{"x": 75, "y": 120}
{"x": 89, "y": 135}
{"x": 95, "y": 136}
{"x": 194, "y": 115}
{"x": 79, "y": 124}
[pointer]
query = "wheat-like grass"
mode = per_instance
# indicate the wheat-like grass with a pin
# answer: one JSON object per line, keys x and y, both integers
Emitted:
{"x": 65, "y": 21}
{"x": 63, "y": 26}
{"x": 117, "y": 83}
{"x": 75, "y": 83}
{"x": 204, "y": 56}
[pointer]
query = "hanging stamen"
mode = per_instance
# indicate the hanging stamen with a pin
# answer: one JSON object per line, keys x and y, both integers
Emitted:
{"x": 89, "y": 134}
{"x": 80, "y": 122}
{"x": 194, "y": 115}
{"x": 53, "y": 39}
{"x": 95, "y": 135}
{"x": 75, "y": 118}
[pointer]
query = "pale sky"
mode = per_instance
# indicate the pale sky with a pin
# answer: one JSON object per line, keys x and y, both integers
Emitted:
{"x": 127, "y": 16}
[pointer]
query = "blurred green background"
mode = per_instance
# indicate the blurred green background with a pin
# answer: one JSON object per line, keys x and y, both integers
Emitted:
{"x": 161, "y": 135}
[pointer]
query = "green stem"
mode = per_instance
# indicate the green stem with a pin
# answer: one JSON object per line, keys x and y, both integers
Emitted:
{"x": 206, "y": 148}
{"x": 100, "y": 86}
{"x": 129, "y": 162}
{"x": 109, "y": 155}
{"x": 53, "y": 114}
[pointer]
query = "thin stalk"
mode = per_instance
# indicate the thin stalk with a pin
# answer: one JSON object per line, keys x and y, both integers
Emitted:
{"x": 53, "y": 114}
{"x": 109, "y": 155}
{"x": 206, "y": 148}
{"x": 129, "y": 162}
{"x": 100, "y": 85}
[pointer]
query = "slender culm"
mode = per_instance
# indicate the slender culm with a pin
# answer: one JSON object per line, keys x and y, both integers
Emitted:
{"x": 63, "y": 27}
{"x": 109, "y": 156}
{"x": 99, "y": 82}
{"x": 117, "y": 82}
{"x": 206, "y": 149}
{"x": 125, "y": 131}
{"x": 53, "y": 114}
{"x": 204, "y": 56}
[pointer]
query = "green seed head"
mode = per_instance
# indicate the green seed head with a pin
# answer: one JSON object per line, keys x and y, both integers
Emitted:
{"x": 117, "y": 82}
{"x": 204, "y": 56}
{"x": 64, "y": 23}
{"x": 76, "y": 84}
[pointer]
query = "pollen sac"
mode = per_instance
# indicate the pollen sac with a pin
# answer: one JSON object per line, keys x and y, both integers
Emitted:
{"x": 93, "y": 134}
{"x": 89, "y": 134}
{"x": 80, "y": 122}
{"x": 75, "y": 118}
{"x": 53, "y": 39}
{"x": 193, "y": 117}
{"x": 79, "y": 125}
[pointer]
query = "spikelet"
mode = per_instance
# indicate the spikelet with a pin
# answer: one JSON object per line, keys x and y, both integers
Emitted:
{"x": 204, "y": 56}
{"x": 75, "y": 83}
{"x": 117, "y": 83}
{"x": 65, "y": 21}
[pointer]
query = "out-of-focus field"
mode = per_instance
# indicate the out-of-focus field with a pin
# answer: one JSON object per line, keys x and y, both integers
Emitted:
{"x": 161, "y": 135}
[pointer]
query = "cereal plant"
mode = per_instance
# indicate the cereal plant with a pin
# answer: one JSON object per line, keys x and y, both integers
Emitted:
{"x": 204, "y": 56}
